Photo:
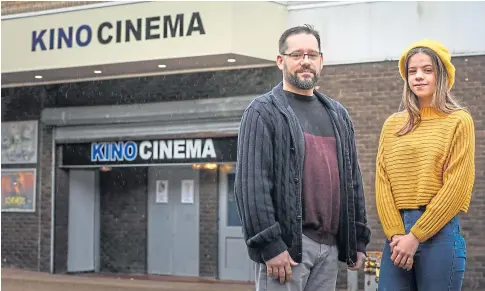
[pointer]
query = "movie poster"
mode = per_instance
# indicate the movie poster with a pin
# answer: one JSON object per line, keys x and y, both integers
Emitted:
{"x": 18, "y": 190}
{"x": 19, "y": 142}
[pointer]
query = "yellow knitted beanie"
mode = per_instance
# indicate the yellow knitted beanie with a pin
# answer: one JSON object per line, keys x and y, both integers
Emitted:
{"x": 439, "y": 49}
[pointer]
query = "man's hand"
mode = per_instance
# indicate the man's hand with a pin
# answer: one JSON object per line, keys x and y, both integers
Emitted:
{"x": 403, "y": 250}
{"x": 280, "y": 267}
{"x": 360, "y": 261}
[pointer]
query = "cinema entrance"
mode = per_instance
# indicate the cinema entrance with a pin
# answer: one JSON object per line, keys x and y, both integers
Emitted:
{"x": 149, "y": 189}
{"x": 135, "y": 205}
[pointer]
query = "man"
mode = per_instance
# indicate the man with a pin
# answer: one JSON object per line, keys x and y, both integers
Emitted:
{"x": 298, "y": 185}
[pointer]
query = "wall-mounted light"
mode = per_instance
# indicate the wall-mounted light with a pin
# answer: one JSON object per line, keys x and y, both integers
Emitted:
{"x": 207, "y": 166}
{"x": 226, "y": 167}
{"x": 38, "y": 77}
{"x": 97, "y": 72}
{"x": 162, "y": 66}
{"x": 231, "y": 60}
{"x": 210, "y": 166}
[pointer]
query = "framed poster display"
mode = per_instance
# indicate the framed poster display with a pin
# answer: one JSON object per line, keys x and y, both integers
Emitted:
{"x": 18, "y": 190}
{"x": 19, "y": 142}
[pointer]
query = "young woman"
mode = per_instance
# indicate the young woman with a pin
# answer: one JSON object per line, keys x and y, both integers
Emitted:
{"x": 424, "y": 176}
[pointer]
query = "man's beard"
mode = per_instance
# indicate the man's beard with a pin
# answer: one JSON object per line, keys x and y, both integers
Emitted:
{"x": 305, "y": 84}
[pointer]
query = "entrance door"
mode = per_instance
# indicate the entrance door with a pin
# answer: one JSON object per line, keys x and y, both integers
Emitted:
{"x": 173, "y": 221}
{"x": 234, "y": 262}
{"x": 83, "y": 225}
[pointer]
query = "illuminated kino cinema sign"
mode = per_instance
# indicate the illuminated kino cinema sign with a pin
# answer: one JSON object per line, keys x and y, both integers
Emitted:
{"x": 150, "y": 151}
{"x": 153, "y": 150}
{"x": 140, "y": 29}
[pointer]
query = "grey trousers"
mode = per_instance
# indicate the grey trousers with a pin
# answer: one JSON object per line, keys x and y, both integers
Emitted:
{"x": 317, "y": 271}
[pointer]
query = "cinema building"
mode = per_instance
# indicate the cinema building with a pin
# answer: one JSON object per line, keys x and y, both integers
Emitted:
{"x": 120, "y": 122}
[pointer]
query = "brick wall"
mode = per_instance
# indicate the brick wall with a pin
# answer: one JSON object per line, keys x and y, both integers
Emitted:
{"x": 20, "y": 231}
{"x": 470, "y": 87}
{"x": 371, "y": 92}
{"x": 123, "y": 223}
{"x": 15, "y": 7}
{"x": 19, "y": 106}
{"x": 45, "y": 177}
{"x": 208, "y": 234}
{"x": 61, "y": 218}
{"x": 19, "y": 240}
{"x": 163, "y": 88}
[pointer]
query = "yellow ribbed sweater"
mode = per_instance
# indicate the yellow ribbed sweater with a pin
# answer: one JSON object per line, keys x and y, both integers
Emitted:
{"x": 433, "y": 166}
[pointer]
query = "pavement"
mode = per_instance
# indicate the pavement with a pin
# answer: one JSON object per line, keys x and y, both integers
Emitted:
{"x": 21, "y": 280}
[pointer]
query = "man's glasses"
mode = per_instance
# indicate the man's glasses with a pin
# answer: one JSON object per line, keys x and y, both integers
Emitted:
{"x": 313, "y": 56}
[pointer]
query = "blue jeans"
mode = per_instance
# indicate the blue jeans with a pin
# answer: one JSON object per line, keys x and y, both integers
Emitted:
{"x": 439, "y": 262}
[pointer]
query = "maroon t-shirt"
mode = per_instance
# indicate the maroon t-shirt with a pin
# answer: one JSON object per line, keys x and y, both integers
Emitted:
{"x": 321, "y": 184}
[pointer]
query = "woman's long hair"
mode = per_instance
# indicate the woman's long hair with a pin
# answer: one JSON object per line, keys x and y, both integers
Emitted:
{"x": 442, "y": 99}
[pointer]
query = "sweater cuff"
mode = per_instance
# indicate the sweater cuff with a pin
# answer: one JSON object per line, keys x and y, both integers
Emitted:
{"x": 419, "y": 233}
{"x": 273, "y": 249}
{"x": 395, "y": 230}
